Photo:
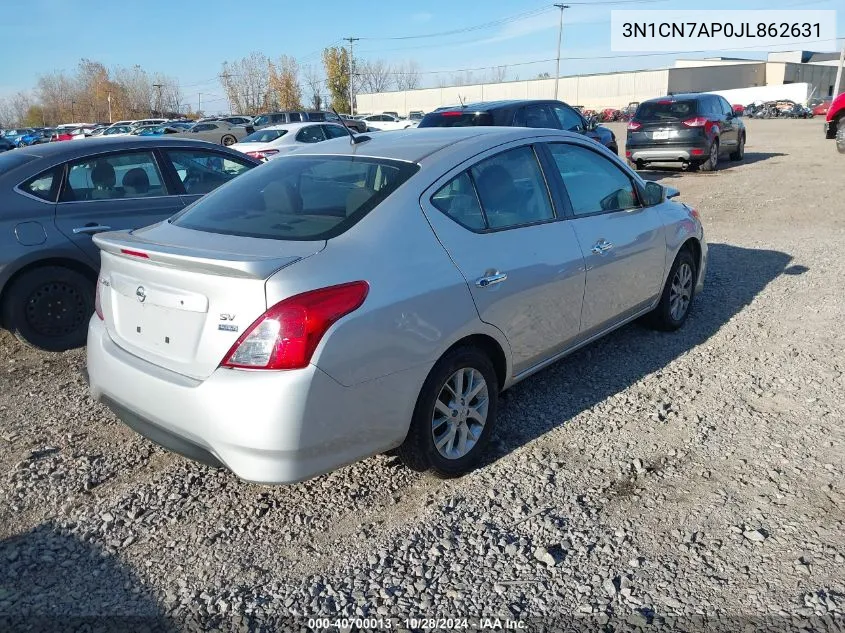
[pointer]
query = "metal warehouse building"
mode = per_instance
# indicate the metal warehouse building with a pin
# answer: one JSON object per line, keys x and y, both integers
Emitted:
{"x": 615, "y": 90}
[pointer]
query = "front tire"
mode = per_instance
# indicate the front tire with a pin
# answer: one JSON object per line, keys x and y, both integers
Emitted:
{"x": 739, "y": 154}
{"x": 228, "y": 139}
{"x": 454, "y": 416}
{"x": 678, "y": 294}
{"x": 49, "y": 308}
{"x": 840, "y": 138}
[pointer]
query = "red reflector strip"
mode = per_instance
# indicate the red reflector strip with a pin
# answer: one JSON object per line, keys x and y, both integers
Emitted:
{"x": 665, "y": 101}
{"x": 697, "y": 152}
{"x": 126, "y": 251}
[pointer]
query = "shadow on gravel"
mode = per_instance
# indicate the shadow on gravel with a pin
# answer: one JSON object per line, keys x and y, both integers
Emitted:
{"x": 735, "y": 276}
{"x": 50, "y": 580}
{"x": 675, "y": 171}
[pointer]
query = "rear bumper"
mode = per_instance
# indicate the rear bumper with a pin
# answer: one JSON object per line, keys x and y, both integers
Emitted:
{"x": 266, "y": 427}
{"x": 667, "y": 153}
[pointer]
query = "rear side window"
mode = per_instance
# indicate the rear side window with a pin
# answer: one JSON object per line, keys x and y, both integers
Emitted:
{"x": 44, "y": 185}
{"x": 456, "y": 118}
{"x": 298, "y": 197}
{"x": 201, "y": 171}
{"x": 505, "y": 191}
{"x": 536, "y": 116}
{"x": 667, "y": 110}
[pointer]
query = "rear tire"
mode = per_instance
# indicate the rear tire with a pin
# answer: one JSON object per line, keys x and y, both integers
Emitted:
{"x": 228, "y": 139}
{"x": 49, "y": 308}
{"x": 678, "y": 294}
{"x": 432, "y": 427}
{"x": 712, "y": 161}
{"x": 739, "y": 154}
{"x": 840, "y": 138}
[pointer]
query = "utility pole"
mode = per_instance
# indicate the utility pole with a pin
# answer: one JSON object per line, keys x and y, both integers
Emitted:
{"x": 351, "y": 40}
{"x": 158, "y": 103}
{"x": 109, "y": 100}
{"x": 199, "y": 102}
{"x": 226, "y": 88}
{"x": 559, "y": 40}
{"x": 838, "y": 85}
{"x": 72, "y": 115}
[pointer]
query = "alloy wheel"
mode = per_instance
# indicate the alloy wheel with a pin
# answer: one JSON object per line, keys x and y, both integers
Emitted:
{"x": 680, "y": 293}
{"x": 460, "y": 413}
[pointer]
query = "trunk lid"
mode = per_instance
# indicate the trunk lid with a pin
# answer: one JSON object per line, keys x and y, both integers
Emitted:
{"x": 180, "y": 298}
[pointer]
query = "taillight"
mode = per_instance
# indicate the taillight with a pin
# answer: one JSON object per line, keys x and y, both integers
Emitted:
{"x": 634, "y": 126}
{"x": 264, "y": 153}
{"x": 98, "y": 306}
{"x": 286, "y": 336}
{"x": 452, "y": 113}
{"x": 697, "y": 121}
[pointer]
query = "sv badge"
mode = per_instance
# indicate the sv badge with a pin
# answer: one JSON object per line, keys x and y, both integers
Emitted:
{"x": 227, "y": 317}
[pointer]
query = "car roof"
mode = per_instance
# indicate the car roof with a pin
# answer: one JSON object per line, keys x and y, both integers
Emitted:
{"x": 68, "y": 151}
{"x": 296, "y": 126}
{"x": 416, "y": 144}
{"x": 680, "y": 95}
{"x": 485, "y": 106}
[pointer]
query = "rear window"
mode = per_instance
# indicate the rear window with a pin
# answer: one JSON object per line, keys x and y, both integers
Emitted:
{"x": 456, "y": 119}
{"x": 264, "y": 136}
{"x": 298, "y": 197}
{"x": 13, "y": 160}
{"x": 666, "y": 110}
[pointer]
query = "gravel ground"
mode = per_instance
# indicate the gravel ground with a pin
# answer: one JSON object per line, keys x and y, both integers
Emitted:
{"x": 650, "y": 478}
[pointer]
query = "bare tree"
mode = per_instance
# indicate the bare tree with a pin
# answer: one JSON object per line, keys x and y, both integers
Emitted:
{"x": 375, "y": 76}
{"x": 407, "y": 75}
{"x": 314, "y": 83}
{"x": 246, "y": 83}
{"x": 21, "y": 102}
{"x": 7, "y": 113}
{"x": 498, "y": 74}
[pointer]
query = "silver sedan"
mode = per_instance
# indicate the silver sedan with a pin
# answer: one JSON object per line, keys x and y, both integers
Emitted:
{"x": 348, "y": 299}
{"x": 216, "y": 132}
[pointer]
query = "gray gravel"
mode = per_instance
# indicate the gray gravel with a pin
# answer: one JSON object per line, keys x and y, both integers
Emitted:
{"x": 649, "y": 477}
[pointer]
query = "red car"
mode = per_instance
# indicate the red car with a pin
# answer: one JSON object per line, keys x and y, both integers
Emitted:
{"x": 738, "y": 109}
{"x": 820, "y": 106}
{"x": 834, "y": 125}
{"x": 62, "y": 135}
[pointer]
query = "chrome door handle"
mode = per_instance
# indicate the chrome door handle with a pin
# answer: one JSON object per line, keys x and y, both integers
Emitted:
{"x": 490, "y": 280}
{"x": 602, "y": 246}
{"x": 90, "y": 230}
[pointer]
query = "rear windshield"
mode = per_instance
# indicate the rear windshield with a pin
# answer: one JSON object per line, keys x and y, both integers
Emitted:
{"x": 13, "y": 160}
{"x": 456, "y": 119}
{"x": 298, "y": 197}
{"x": 264, "y": 136}
{"x": 666, "y": 110}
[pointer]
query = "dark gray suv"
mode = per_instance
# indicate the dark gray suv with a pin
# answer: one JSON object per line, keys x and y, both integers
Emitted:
{"x": 54, "y": 197}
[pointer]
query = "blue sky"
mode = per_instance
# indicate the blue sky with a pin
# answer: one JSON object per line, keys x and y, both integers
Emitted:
{"x": 190, "y": 39}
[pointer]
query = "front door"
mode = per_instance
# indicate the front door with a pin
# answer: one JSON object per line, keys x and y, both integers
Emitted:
{"x": 112, "y": 192}
{"x": 522, "y": 265}
{"x": 623, "y": 241}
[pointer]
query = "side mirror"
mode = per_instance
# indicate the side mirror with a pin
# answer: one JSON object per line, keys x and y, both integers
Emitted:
{"x": 591, "y": 123}
{"x": 654, "y": 193}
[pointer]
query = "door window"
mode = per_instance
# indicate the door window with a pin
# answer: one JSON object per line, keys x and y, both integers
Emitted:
{"x": 113, "y": 177}
{"x": 310, "y": 134}
{"x": 201, "y": 171}
{"x": 593, "y": 182}
{"x": 294, "y": 117}
{"x": 569, "y": 119}
{"x": 334, "y": 131}
{"x": 537, "y": 116}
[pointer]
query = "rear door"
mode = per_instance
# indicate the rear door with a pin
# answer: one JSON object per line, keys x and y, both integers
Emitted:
{"x": 111, "y": 192}
{"x": 522, "y": 265}
{"x": 199, "y": 171}
{"x": 729, "y": 136}
{"x": 622, "y": 240}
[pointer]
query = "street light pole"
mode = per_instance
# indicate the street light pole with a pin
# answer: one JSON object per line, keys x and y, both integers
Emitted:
{"x": 559, "y": 41}
{"x": 837, "y": 86}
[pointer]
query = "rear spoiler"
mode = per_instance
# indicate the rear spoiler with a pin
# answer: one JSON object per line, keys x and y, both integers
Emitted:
{"x": 211, "y": 262}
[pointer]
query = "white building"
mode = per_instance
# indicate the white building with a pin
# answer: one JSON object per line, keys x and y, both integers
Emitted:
{"x": 615, "y": 90}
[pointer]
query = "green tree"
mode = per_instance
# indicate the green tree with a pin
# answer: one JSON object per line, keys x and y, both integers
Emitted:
{"x": 336, "y": 65}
